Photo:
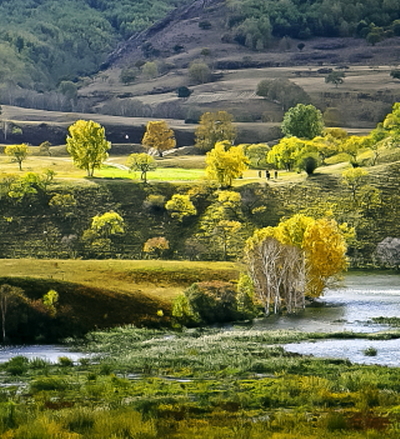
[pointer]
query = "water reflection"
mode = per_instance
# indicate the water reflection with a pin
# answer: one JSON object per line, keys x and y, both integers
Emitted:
{"x": 388, "y": 351}
{"x": 49, "y": 353}
{"x": 350, "y": 307}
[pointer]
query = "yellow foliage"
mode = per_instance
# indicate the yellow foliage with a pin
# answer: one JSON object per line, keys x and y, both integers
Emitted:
{"x": 213, "y": 128}
{"x": 322, "y": 244}
{"x": 180, "y": 206}
{"x": 325, "y": 249}
{"x": 225, "y": 165}
{"x": 18, "y": 152}
{"x": 159, "y": 136}
{"x": 87, "y": 145}
{"x": 291, "y": 231}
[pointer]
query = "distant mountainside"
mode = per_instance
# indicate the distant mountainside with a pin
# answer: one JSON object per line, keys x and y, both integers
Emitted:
{"x": 128, "y": 57}
{"x": 43, "y": 42}
{"x": 48, "y": 41}
{"x": 257, "y": 24}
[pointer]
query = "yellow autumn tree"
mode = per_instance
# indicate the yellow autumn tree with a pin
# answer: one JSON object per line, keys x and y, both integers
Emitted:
{"x": 18, "y": 152}
{"x": 159, "y": 136}
{"x": 214, "y": 127}
{"x": 225, "y": 163}
{"x": 325, "y": 249}
{"x": 180, "y": 207}
{"x": 352, "y": 146}
{"x": 298, "y": 258}
{"x": 87, "y": 145}
{"x": 284, "y": 155}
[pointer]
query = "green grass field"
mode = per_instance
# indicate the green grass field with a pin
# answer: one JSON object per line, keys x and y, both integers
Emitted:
{"x": 107, "y": 293}
{"x": 155, "y": 278}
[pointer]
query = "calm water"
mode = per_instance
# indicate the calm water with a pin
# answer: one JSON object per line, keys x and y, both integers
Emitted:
{"x": 350, "y": 307}
{"x": 47, "y": 352}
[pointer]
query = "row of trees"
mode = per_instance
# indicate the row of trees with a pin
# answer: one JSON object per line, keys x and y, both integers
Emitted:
{"x": 254, "y": 22}
{"x": 307, "y": 143}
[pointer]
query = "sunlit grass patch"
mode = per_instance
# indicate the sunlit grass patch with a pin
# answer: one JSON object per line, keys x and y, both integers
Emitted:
{"x": 160, "y": 174}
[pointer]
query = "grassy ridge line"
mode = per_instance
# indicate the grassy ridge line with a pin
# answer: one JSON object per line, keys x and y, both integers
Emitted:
{"x": 104, "y": 293}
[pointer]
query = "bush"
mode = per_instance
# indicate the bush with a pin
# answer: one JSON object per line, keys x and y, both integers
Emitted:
{"x": 65, "y": 362}
{"x": 127, "y": 76}
{"x": 395, "y": 74}
{"x": 309, "y": 163}
{"x": 199, "y": 72}
{"x": 213, "y": 302}
{"x": 370, "y": 352}
{"x": 17, "y": 365}
{"x": 48, "y": 384}
{"x": 204, "y": 24}
{"x": 183, "y": 92}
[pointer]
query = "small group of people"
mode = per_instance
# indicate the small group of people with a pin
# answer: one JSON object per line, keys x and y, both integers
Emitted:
{"x": 268, "y": 174}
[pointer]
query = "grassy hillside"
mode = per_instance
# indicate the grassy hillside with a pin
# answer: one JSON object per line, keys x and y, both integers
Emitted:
{"x": 36, "y": 227}
{"x": 98, "y": 294}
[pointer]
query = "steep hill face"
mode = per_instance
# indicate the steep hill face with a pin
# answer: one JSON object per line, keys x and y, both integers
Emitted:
{"x": 181, "y": 31}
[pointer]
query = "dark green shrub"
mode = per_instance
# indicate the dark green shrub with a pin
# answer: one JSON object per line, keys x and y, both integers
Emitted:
{"x": 213, "y": 302}
{"x": 183, "y": 92}
{"x": 370, "y": 352}
{"x": 309, "y": 163}
{"x": 395, "y": 74}
{"x": 204, "y": 24}
{"x": 38, "y": 363}
{"x": 48, "y": 383}
{"x": 17, "y": 365}
{"x": 65, "y": 362}
{"x": 127, "y": 76}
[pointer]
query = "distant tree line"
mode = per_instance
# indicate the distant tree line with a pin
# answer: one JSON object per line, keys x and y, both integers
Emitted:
{"x": 255, "y": 22}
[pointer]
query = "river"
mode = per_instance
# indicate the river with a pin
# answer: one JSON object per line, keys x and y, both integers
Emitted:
{"x": 348, "y": 307}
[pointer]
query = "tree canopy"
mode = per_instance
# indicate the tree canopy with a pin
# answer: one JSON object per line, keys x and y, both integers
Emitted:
{"x": 213, "y": 128}
{"x": 18, "y": 152}
{"x": 303, "y": 121}
{"x": 87, "y": 145}
{"x": 180, "y": 206}
{"x": 297, "y": 258}
{"x": 159, "y": 136}
{"x": 110, "y": 223}
{"x": 282, "y": 91}
{"x": 336, "y": 78}
{"x": 224, "y": 164}
{"x": 141, "y": 162}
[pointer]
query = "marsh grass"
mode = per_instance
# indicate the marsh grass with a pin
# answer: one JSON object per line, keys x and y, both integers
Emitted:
{"x": 200, "y": 383}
